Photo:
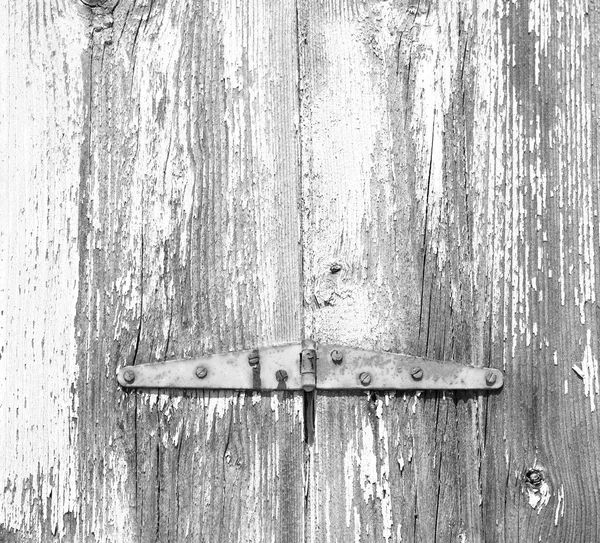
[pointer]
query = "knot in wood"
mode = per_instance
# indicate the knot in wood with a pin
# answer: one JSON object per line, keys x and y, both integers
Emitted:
{"x": 335, "y": 268}
{"x": 534, "y": 477}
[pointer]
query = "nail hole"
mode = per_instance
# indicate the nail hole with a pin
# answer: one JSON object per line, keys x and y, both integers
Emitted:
{"x": 335, "y": 268}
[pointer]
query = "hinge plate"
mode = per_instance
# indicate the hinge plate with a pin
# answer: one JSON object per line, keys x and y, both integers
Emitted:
{"x": 233, "y": 371}
{"x": 305, "y": 366}
{"x": 391, "y": 371}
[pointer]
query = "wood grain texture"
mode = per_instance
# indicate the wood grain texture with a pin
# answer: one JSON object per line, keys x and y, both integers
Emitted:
{"x": 41, "y": 133}
{"x": 545, "y": 268}
{"x": 155, "y": 205}
{"x": 191, "y": 247}
{"x": 152, "y": 214}
{"x": 448, "y": 169}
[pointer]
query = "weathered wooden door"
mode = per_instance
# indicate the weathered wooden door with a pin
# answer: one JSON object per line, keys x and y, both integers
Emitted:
{"x": 189, "y": 177}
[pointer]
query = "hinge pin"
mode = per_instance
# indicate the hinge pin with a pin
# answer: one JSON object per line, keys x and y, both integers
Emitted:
{"x": 129, "y": 376}
{"x": 201, "y": 372}
{"x": 416, "y": 374}
{"x": 336, "y": 356}
{"x": 308, "y": 365}
{"x": 365, "y": 379}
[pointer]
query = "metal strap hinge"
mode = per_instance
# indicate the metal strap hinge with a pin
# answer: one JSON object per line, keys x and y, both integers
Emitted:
{"x": 306, "y": 366}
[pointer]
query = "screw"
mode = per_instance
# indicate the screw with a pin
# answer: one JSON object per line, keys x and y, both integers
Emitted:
{"x": 281, "y": 375}
{"x": 416, "y": 374}
{"x": 365, "y": 379}
{"x": 490, "y": 378}
{"x": 253, "y": 358}
{"x": 129, "y": 376}
{"x": 335, "y": 268}
{"x": 336, "y": 356}
{"x": 201, "y": 372}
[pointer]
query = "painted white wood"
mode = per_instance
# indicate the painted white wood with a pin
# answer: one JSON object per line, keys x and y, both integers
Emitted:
{"x": 42, "y": 108}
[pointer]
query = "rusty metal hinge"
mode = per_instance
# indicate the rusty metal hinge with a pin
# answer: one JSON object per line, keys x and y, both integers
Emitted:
{"x": 308, "y": 366}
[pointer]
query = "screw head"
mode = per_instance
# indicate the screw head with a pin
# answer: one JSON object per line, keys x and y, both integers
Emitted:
{"x": 490, "y": 378}
{"x": 416, "y": 374}
{"x": 281, "y": 375}
{"x": 336, "y": 356}
{"x": 253, "y": 358}
{"x": 129, "y": 376}
{"x": 365, "y": 379}
{"x": 201, "y": 372}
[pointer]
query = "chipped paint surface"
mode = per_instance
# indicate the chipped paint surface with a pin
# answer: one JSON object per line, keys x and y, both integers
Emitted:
{"x": 153, "y": 215}
{"x": 589, "y": 372}
{"x": 197, "y": 214}
{"x": 449, "y": 173}
{"x": 350, "y": 169}
{"x": 41, "y": 136}
{"x": 364, "y": 469}
{"x": 480, "y": 116}
{"x": 539, "y": 497}
{"x": 560, "y": 505}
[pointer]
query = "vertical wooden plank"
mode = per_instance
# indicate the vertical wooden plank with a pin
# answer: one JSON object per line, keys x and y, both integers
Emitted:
{"x": 41, "y": 135}
{"x": 542, "y": 221}
{"x": 192, "y": 247}
{"x": 376, "y": 459}
{"x": 473, "y": 126}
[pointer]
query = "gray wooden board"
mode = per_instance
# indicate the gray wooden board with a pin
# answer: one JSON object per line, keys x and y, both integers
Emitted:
{"x": 41, "y": 133}
{"x": 451, "y": 201}
{"x": 190, "y": 247}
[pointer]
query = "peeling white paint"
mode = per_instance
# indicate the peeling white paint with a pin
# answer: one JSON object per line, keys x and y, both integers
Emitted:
{"x": 400, "y": 461}
{"x": 415, "y": 401}
{"x": 361, "y": 458}
{"x": 349, "y": 482}
{"x": 384, "y": 471}
{"x": 217, "y": 408}
{"x": 511, "y": 187}
{"x": 434, "y": 66}
{"x": 526, "y": 191}
{"x": 539, "y": 498}
{"x": 275, "y": 406}
{"x": 560, "y": 505}
{"x": 357, "y": 525}
{"x": 589, "y": 372}
{"x": 41, "y": 136}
